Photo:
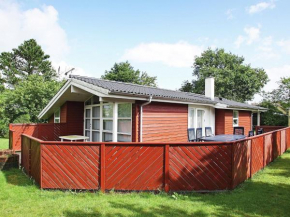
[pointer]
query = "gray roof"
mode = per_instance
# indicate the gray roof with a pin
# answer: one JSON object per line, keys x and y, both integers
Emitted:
{"x": 234, "y": 104}
{"x": 140, "y": 90}
{"x": 116, "y": 87}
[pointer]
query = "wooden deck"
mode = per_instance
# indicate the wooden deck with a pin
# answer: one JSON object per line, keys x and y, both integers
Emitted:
{"x": 150, "y": 166}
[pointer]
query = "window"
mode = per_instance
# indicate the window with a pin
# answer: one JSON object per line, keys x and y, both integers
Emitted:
{"x": 57, "y": 116}
{"x": 124, "y": 128}
{"x": 107, "y": 117}
{"x": 191, "y": 118}
{"x": 200, "y": 118}
{"x": 235, "y": 118}
{"x": 96, "y": 111}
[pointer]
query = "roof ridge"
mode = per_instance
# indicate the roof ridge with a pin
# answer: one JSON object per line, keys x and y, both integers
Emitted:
{"x": 120, "y": 82}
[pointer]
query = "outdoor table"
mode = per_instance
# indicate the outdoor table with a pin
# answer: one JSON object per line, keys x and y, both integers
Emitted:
{"x": 74, "y": 138}
{"x": 223, "y": 138}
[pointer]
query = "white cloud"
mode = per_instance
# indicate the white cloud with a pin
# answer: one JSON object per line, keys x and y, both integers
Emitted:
{"x": 261, "y": 6}
{"x": 230, "y": 14}
{"x": 285, "y": 44}
{"x": 180, "y": 54}
{"x": 252, "y": 35}
{"x": 275, "y": 74}
{"x": 41, "y": 24}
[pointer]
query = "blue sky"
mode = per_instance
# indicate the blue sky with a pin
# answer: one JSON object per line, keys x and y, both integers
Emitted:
{"x": 159, "y": 37}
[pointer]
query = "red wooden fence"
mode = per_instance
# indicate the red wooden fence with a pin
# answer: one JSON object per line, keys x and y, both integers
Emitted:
{"x": 150, "y": 166}
{"x": 267, "y": 129}
{"x": 45, "y": 132}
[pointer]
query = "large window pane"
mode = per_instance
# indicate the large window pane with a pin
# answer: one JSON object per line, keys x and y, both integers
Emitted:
{"x": 124, "y": 110}
{"x": 107, "y": 137}
{"x": 108, "y": 125}
{"x": 57, "y": 114}
{"x": 96, "y": 112}
{"x": 88, "y": 102}
{"x": 56, "y": 120}
{"x": 96, "y": 100}
{"x": 108, "y": 111}
{"x": 96, "y": 124}
{"x": 88, "y": 122}
{"x": 124, "y": 138}
{"x": 236, "y": 114}
{"x": 87, "y": 133}
{"x": 88, "y": 113}
{"x": 124, "y": 126}
{"x": 95, "y": 136}
{"x": 199, "y": 118}
{"x": 191, "y": 118}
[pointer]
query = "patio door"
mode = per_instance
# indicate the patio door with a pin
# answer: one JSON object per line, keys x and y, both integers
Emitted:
{"x": 96, "y": 124}
{"x": 88, "y": 124}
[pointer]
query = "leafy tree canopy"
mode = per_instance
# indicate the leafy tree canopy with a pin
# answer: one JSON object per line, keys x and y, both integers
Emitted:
{"x": 27, "y": 99}
{"x": 234, "y": 79}
{"x": 278, "y": 103}
{"x": 124, "y": 72}
{"x": 27, "y": 59}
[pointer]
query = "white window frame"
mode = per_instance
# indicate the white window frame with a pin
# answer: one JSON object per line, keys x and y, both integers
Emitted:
{"x": 57, "y": 118}
{"x": 108, "y": 119}
{"x": 114, "y": 120}
{"x": 237, "y": 118}
{"x": 124, "y": 118}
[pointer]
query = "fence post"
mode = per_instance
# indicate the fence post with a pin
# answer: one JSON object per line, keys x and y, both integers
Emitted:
{"x": 166, "y": 168}
{"x": 103, "y": 166}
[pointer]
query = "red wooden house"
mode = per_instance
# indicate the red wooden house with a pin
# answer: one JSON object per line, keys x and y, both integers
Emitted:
{"x": 116, "y": 111}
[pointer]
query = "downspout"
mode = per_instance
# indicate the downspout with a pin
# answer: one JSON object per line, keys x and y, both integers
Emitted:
{"x": 141, "y": 117}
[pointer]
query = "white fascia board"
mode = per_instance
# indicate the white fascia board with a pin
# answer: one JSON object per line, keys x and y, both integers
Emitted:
{"x": 181, "y": 102}
{"x": 80, "y": 84}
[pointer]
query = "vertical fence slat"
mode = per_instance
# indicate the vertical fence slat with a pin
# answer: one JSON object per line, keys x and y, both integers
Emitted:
{"x": 166, "y": 168}
{"x": 103, "y": 167}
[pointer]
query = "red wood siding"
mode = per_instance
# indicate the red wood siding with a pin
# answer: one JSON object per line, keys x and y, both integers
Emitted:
{"x": 63, "y": 113}
{"x": 75, "y": 118}
{"x": 51, "y": 119}
{"x": 229, "y": 129}
{"x": 224, "y": 121}
{"x": 245, "y": 120}
{"x": 165, "y": 122}
{"x": 135, "y": 122}
{"x": 219, "y": 121}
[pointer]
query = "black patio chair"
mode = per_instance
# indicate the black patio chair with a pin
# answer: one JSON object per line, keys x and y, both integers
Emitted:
{"x": 208, "y": 132}
{"x": 260, "y": 131}
{"x": 239, "y": 131}
{"x": 251, "y": 133}
{"x": 198, "y": 134}
{"x": 191, "y": 134}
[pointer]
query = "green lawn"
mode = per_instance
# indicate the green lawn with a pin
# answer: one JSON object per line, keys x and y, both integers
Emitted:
{"x": 4, "y": 143}
{"x": 267, "y": 194}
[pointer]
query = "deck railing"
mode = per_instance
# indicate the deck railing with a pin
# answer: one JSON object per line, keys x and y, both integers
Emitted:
{"x": 104, "y": 166}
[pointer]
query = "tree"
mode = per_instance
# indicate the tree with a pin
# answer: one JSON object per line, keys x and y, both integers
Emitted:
{"x": 27, "y": 59}
{"x": 28, "y": 98}
{"x": 278, "y": 103}
{"x": 124, "y": 72}
{"x": 234, "y": 79}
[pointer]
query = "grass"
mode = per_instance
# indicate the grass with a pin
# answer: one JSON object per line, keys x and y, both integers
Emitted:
{"x": 266, "y": 194}
{"x": 4, "y": 143}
